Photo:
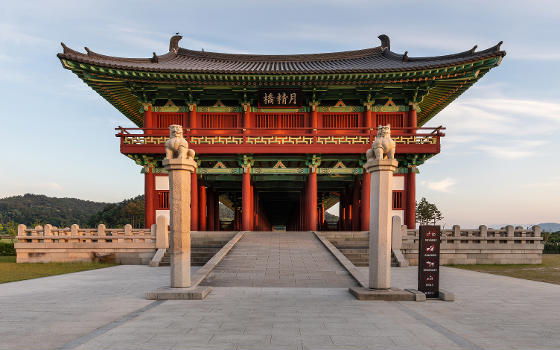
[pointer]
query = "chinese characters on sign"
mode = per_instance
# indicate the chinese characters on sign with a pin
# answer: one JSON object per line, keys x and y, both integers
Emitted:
{"x": 279, "y": 98}
{"x": 428, "y": 261}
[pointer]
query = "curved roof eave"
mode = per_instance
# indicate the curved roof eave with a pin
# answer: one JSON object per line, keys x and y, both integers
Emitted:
{"x": 373, "y": 60}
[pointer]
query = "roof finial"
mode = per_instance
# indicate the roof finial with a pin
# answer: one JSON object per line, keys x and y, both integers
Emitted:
{"x": 473, "y": 49}
{"x": 405, "y": 56}
{"x": 385, "y": 42}
{"x": 174, "y": 43}
{"x": 498, "y": 46}
{"x": 154, "y": 58}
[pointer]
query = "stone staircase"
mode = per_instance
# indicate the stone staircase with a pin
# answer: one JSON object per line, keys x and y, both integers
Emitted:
{"x": 204, "y": 245}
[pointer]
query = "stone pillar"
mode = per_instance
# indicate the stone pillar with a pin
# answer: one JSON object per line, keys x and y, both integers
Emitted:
{"x": 364, "y": 215}
{"x": 180, "y": 165}
{"x": 246, "y": 200}
{"x": 149, "y": 192}
{"x": 194, "y": 201}
{"x": 202, "y": 208}
{"x": 381, "y": 165}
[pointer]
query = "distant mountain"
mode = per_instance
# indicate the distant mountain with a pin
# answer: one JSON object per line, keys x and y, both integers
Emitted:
{"x": 550, "y": 227}
{"x": 34, "y": 209}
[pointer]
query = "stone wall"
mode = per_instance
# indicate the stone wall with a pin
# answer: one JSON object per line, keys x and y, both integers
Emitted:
{"x": 458, "y": 246}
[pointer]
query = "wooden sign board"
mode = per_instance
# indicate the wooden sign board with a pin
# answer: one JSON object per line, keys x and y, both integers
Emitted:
{"x": 428, "y": 261}
{"x": 280, "y": 98}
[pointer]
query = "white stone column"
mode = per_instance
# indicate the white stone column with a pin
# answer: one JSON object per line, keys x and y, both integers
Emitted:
{"x": 180, "y": 165}
{"x": 381, "y": 165}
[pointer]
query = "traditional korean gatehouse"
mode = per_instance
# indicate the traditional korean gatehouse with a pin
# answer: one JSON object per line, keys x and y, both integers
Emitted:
{"x": 281, "y": 138}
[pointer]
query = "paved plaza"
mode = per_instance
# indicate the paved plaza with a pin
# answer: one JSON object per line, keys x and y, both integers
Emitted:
{"x": 275, "y": 291}
{"x": 106, "y": 309}
{"x": 291, "y": 259}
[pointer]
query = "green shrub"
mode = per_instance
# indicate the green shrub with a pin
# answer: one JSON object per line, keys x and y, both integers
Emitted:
{"x": 551, "y": 248}
{"x": 7, "y": 249}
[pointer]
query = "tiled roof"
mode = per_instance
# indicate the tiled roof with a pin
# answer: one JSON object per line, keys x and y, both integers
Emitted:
{"x": 378, "y": 59}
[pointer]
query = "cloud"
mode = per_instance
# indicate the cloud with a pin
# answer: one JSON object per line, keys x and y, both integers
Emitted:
{"x": 10, "y": 35}
{"x": 440, "y": 186}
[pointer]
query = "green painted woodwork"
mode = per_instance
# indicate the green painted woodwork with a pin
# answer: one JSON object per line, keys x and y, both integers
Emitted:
{"x": 432, "y": 89}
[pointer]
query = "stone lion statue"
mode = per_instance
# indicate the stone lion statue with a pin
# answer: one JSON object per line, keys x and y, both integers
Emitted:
{"x": 177, "y": 146}
{"x": 383, "y": 147}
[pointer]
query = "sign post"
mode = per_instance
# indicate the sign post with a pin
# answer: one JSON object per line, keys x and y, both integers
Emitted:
{"x": 428, "y": 261}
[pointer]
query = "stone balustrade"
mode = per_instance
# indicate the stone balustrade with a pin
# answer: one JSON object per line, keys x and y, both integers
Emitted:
{"x": 125, "y": 245}
{"x": 508, "y": 245}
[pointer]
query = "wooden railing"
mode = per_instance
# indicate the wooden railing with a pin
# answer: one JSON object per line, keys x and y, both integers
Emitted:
{"x": 321, "y": 140}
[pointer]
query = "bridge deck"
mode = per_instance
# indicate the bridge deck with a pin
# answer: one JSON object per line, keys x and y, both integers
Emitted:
{"x": 279, "y": 259}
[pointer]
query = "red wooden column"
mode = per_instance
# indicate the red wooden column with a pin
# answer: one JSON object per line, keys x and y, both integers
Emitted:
{"x": 253, "y": 214}
{"x": 202, "y": 208}
{"x": 367, "y": 116}
{"x": 217, "y": 223}
{"x": 312, "y": 199}
{"x": 210, "y": 210}
{"x": 194, "y": 201}
{"x": 314, "y": 119}
{"x": 364, "y": 205}
{"x": 246, "y": 116}
{"x": 356, "y": 194}
{"x": 192, "y": 116}
{"x": 410, "y": 178}
{"x": 410, "y": 210}
{"x": 246, "y": 199}
{"x": 148, "y": 119}
{"x": 149, "y": 198}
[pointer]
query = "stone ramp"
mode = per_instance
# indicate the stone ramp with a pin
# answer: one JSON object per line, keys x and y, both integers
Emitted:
{"x": 279, "y": 259}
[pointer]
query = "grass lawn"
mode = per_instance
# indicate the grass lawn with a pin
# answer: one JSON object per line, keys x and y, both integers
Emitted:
{"x": 10, "y": 271}
{"x": 548, "y": 271}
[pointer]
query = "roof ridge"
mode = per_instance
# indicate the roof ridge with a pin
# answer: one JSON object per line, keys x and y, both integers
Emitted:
{"x": 325, "y": 56}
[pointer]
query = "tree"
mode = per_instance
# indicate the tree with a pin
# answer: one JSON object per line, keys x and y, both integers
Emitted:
{"x": 427, "y": 213}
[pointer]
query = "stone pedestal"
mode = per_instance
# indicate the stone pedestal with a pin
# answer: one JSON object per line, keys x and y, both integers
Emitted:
{"x": 180, "y": 170}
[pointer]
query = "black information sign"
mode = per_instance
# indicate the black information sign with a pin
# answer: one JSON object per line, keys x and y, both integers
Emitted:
{"x": 280, "y": 98}
{"x": 428, "y": 261}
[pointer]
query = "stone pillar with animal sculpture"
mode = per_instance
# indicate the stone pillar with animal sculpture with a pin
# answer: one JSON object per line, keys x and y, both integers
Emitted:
{"x": 381, "y": 164}
{"x": 180, "y": 164}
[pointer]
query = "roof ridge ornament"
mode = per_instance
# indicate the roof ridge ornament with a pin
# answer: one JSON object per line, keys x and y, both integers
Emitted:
{"x": 154, "y": 58}
{"x": 385, "y": 41}
{"x": 498, "y": 46}
{"x": 174, "y": 43}
{"x": 473, "y": 49}
{"x": 405, "y": 57}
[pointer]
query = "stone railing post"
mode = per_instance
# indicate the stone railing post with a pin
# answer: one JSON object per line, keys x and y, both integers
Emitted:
{"x": 47, "y": 231}
{"x": 74, "y": 229}
{"x": 510, "y": 231}
{"x": 456, "y": 232}
{"x": 396, "y": 233}
{"x": 101, "y": 233}
{"x": 381, "y": 164}
{"x": 180, "y": 164}
{"x": 21, "y": 230}
{"x": 536, "y": 231}
{"x": 162, "y": 232}
{"x": 483, "y": 232}
{"x": 128, "y": 232}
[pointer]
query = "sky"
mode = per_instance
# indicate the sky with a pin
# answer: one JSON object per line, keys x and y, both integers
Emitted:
{"x": 499, "y": 162}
